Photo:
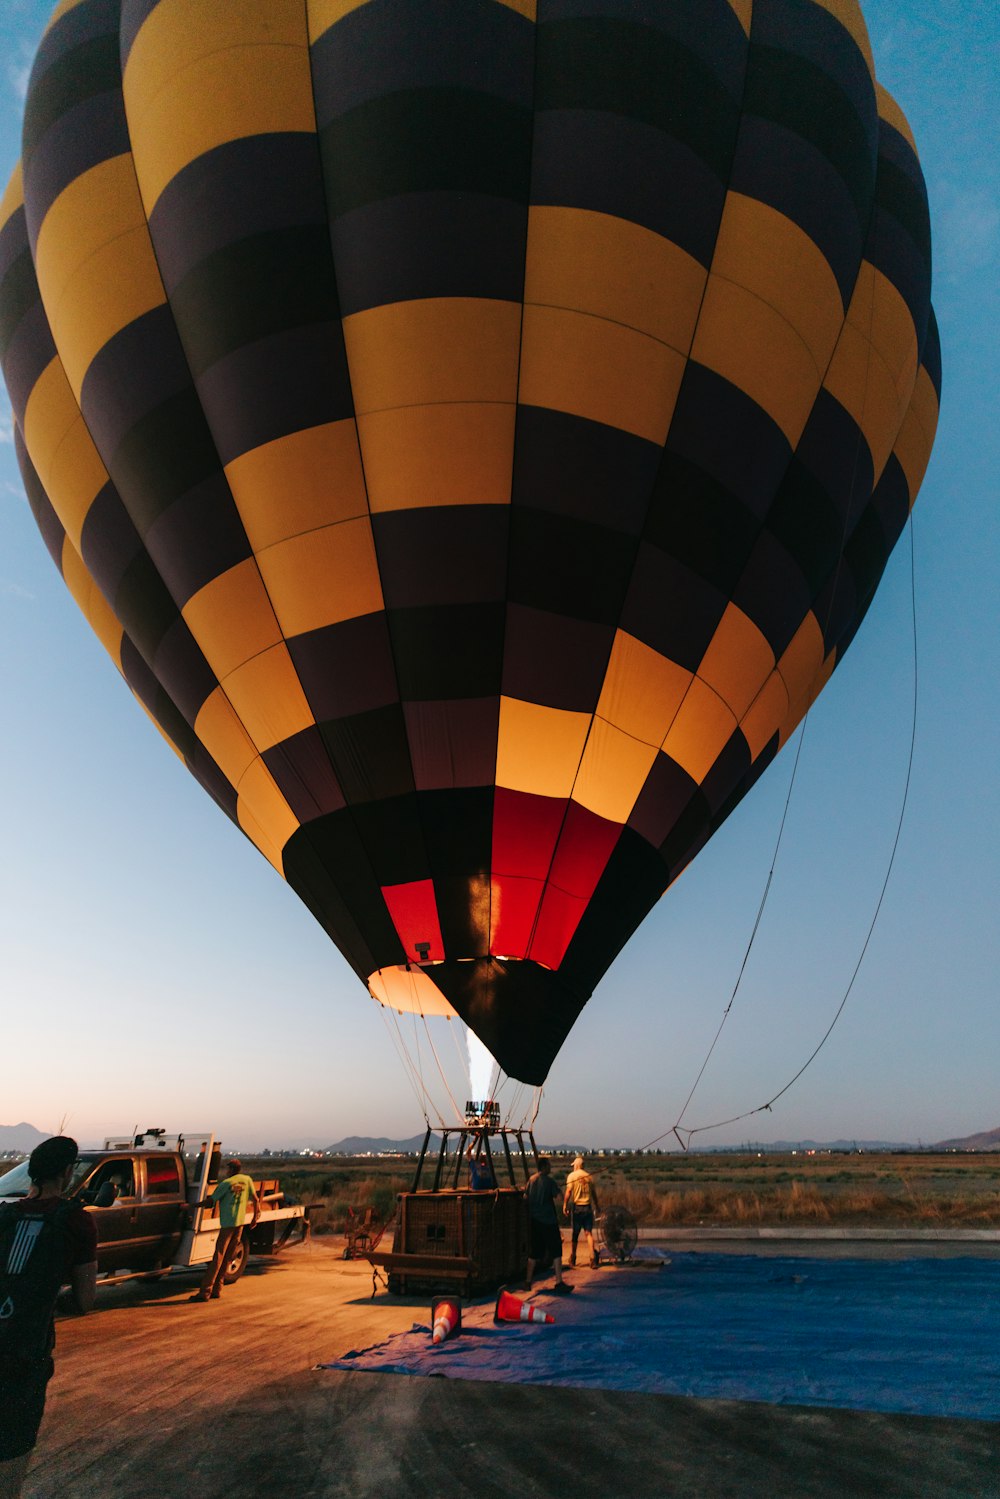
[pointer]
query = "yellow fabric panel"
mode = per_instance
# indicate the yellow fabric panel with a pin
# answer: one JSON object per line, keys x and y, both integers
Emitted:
{"x": 225, "y": 738}
{"x": 298, "y": 483}
{"x": 890, "y": 111}
{"x": 738, "y": 660}
{"x": 878, "y": 312}
{"x": 433, "y": 349}
{"x": 748, "y": 343}
{"x": 802, "y": 659}
{"x": 263, "y": 813}
{"x": 539, "y": 749}
{"x": 231, "y": 618}
{"x": 95, "y": 263}
{"x": 862, "y": 382}
{"x": 610, "y": 268}
{"x": 13, "y": 196}
{"x": 267, "y": 697}
{"x": 916, "y": 436}
{"x": 848, "y": 13}
{"x": 801, "y": 705}
{"x": 326, "y": 13}
{"x": 762, "y": 250}
{"x": 743, "y": 10}
{"x": 201, "y": 73}
{"x": 599, "y": 370}
{"x": 700, "y": 731}
{"x": 613, "y": 772}
{"x": 642, "y": 690}
{"x": 451, "y": 454}
{"x": 766, "y": 714}
{"x": 92, "y": 603}
{"x": 526, "y": 8}
{"x": 61, "y": 449}
{"x": 323, "y": 577}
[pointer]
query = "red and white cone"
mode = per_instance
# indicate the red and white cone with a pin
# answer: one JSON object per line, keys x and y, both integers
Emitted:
{"x": 446, "y": 1318}
{"x": 510, "y": 1309}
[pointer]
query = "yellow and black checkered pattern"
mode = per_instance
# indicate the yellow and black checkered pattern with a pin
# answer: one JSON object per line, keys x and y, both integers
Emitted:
{"x": 475, "y": 428}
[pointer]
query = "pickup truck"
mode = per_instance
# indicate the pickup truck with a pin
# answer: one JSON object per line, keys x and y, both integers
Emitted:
{"x": 144, "y": 1191}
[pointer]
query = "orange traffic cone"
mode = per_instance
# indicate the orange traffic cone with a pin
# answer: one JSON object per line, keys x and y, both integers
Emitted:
{"x": 446, "y": 1318}
{"x": 509, "y": 1309}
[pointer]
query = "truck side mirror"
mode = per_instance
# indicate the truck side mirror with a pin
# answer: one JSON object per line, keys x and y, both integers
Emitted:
{"x": 106, "y": 1194}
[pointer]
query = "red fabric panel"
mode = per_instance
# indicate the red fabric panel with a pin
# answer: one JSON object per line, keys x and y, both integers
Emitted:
{"x": 414, "y": 915}
{"x": 585, "y": 846}
{"x": 513, "y": 905}
{"x": 560, "y": 915}
{"x": 525, "y": 829}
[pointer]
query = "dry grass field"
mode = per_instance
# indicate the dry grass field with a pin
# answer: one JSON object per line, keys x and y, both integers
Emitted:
{"x": 891, "y": 1190}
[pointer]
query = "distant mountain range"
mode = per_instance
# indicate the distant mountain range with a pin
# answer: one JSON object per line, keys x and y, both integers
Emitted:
{"x": 370, "y": 1145}
{"x": 989, "y": 1139}
{"x": 22, "y": 1137}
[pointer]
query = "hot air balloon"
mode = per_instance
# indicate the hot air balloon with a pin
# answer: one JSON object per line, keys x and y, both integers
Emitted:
{"x": 476, "y": 430}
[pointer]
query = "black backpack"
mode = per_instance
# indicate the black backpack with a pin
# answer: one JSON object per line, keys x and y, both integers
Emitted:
{"x": 32, "y": 1266}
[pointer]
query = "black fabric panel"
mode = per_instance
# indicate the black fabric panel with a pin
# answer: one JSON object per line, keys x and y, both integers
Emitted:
{"x": 326, "y": 868}
{"x": 369, "y": 754}
{"x": 165, "y": 455}
{"x": 582, "y": 469}
{"x": 836, "y": 606}
{"x": 817, "y": 39}
{"x": 294, "y": 379}
{"x": 144, "y": 606}
{"x": 109, "y": 542}
{"x": 891, "y": 502}
{"x": 272, "y": 281}
{"x": 719, "y": 429}
{"x": 891, "y": 250}
{"x": 458, "y": 244}
{"x": 773, "y": 592}
{"x": 139, "y": 369}
{"x": 140, "y": 677}
{"x": 447, "y": 651}
{"x": 667, "y": 791}
{"x": 555, "y": 659}
{"x": 612, "y": 164}
{"x": 671, "y": 608}
{"x": 427, "y": 140}
{"x": 13, "y": 243}
{"x": 393, "y": 841}
{"x": 458, "y": 834}
{"x": 783, "y": 169}
{"x": 347, "y": 668}
{"x": 709, "y": 29}
{"x": 183, "y": 670}
{"x": 521, "y": 1011}
{"x": 453, "y": 743}
{"x": 210, "y": 778}
{"x": 216, "y": 201}
{"x": 694, "y": 518}
{"x": 902, "y": 193}
{"x": 633, "y": 881}
{"x": 92, "y": 132}
{"x": 567, "y": 566}
{"x": 805, "y": 521}
{"x": 197, "y": 538}
{"x": 20, "y": 285}
{"x": 392, "y": 46}
{"x": 866, "y": 555}
{"x": 303, "y": 774}
{"x": 833, "y": 450}
{"x": 591, "y": 64}
{"x": 931, "y": 354}
{"x": 442, "y": 555}
{"x": 46, "y": 520}
{"x": 730, "y": 769}
{"x": 59, "y": 85}
{"x": 28, "y": 354}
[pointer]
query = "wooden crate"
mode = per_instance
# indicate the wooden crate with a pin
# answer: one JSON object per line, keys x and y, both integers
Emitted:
{"x": 457, "y": 1240}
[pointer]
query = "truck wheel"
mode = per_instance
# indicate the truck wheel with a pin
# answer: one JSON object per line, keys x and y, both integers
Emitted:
{"x": 236, "y": 1263}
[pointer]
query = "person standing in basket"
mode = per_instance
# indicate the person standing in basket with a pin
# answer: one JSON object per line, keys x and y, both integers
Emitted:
{"x": 232, "y": 1196}
{"x": 580, "y": 1205}
{"x": 544, "y": 1239}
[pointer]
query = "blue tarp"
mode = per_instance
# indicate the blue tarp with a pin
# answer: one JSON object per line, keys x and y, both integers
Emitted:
{"x": 921, "y": 1336}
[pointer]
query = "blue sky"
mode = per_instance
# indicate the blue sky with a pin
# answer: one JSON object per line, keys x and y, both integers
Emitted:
{"x": 157, "y": 971}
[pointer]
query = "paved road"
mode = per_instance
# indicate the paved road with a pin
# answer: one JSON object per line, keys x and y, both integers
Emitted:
{"x": 155, "y": 1398}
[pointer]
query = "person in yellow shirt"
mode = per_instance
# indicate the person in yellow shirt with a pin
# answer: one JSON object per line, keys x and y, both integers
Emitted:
{"x": 232, "y": 1195}
{"x": 580, "y": 1204}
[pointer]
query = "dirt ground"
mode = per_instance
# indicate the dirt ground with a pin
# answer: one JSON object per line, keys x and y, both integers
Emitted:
{"x": 156, "y": 1398}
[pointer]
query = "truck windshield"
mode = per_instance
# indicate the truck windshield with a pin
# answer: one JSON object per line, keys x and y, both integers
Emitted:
{"x": 17, "y": 1183}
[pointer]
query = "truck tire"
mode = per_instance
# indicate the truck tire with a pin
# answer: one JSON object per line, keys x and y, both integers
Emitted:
{"x": 236, "y": 1263}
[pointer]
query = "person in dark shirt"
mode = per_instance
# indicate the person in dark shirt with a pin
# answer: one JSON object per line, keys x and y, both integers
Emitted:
{"x": 25, "y": 1370}
{"x": 544, "y": 1238}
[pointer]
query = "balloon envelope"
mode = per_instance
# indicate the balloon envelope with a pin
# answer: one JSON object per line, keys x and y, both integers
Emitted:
{"x": 476, "y": 432}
